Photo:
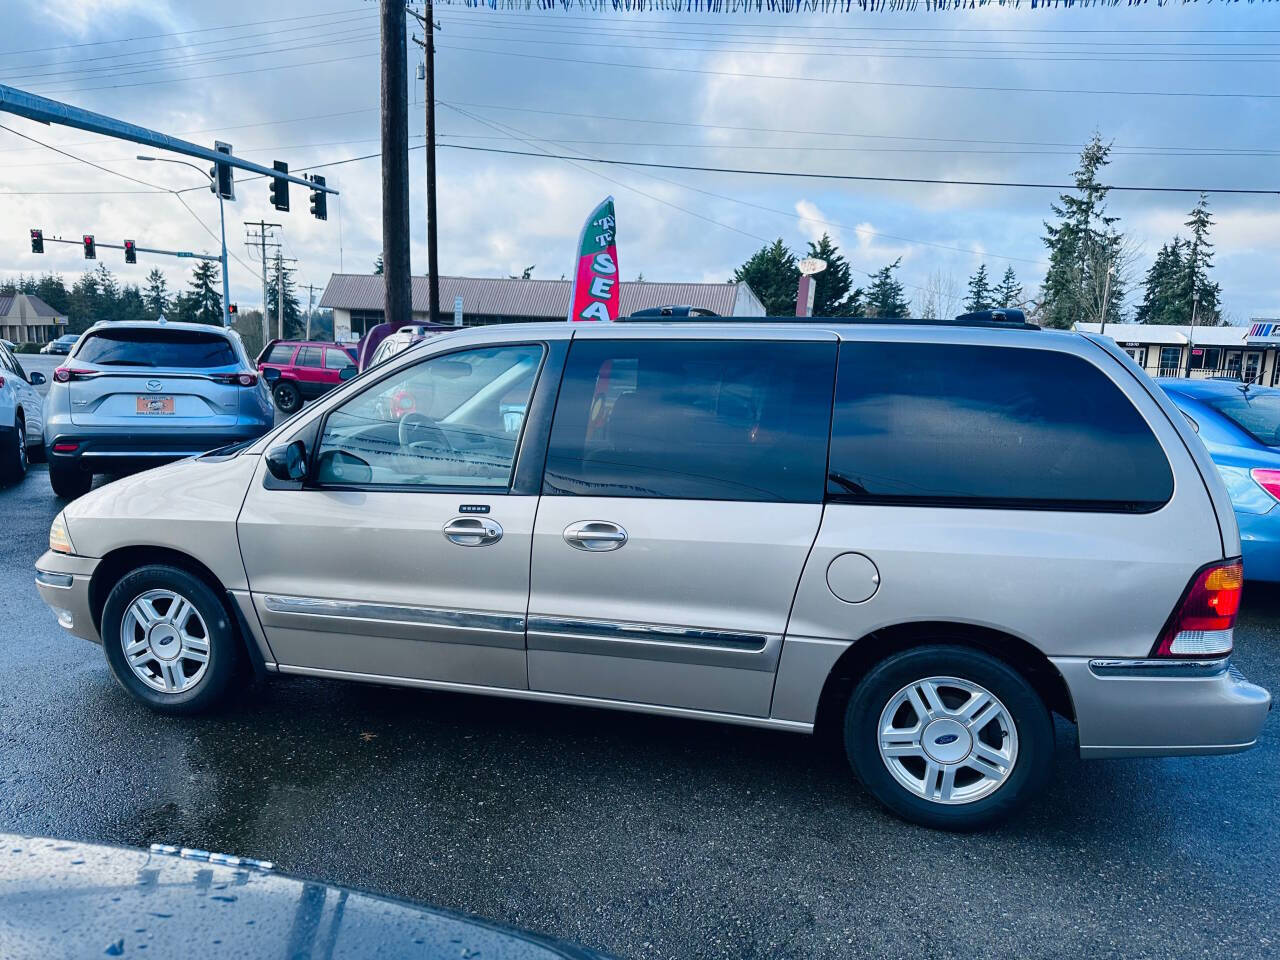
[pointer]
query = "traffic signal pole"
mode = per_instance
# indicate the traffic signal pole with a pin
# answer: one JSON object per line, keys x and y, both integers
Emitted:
{"x": 226, "y": 289}
{"x": 185, "y": 254}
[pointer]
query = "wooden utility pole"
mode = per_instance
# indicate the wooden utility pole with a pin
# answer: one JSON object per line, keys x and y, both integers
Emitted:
{"x": 311, "y": 296}
{"x": 429, "y": 97}
{"x": 397, "y": 302}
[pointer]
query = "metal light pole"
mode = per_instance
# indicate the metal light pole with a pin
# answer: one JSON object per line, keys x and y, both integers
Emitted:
{"x": 1191, "y": 341}
{"x": 222, "y": 218}
{"x": 1106, "y": 296}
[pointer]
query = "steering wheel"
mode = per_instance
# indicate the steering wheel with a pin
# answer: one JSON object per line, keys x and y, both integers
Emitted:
{"x": 417, "y": 429}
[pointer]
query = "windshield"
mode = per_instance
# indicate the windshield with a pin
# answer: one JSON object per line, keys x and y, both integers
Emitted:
{"x": 157, "y": 348}
{"x": 1257, "y": 414}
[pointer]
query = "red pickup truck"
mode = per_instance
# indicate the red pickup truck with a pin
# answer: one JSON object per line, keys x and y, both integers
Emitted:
{"x": 308, "y": 369}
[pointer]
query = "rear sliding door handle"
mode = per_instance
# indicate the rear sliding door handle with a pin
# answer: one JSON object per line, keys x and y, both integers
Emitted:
{"x": 595, "y": 536}
{"x": 473, "y": 531}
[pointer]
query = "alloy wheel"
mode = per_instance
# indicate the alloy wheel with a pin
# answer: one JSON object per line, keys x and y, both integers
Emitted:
{"x": 165, "y": 641}
{"x": 948, "y": 740}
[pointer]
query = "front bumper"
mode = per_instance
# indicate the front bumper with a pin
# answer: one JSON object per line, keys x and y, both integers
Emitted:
{"x": 63, "y": 582}
{"x": 132, "y": 450}
{"x": 1151, "y": 708}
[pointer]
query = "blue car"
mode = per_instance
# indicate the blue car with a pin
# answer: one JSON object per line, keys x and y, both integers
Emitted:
{"x": 1241, "y": 428}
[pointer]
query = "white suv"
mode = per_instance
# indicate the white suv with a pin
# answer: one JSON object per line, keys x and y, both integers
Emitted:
{"x": 21, "y": 416}
{"x": 932, "y": 537}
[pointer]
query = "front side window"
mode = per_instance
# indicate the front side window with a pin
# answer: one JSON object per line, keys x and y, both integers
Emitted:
{"x": 695, "y": 420}
{"x": 157, "y": 347}
{"x": 945, "y": 424}
{"x": 451, "y": 421}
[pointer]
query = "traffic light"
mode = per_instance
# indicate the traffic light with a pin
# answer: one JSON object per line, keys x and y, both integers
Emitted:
{"x": 37, "y": 241}
{"x": 130, "y": 252}
{"x": 90, "y": 249}
{"x": 232, "y": 309}
{"x": 319, "y": 200}
{"x": 221, "y": 181}
{"x": 280, "y": 187}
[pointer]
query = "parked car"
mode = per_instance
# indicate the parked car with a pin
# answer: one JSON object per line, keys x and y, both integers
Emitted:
{"x": 21, "y": 412}
{"x": 1240, "y": 426}
{"x": 402, "y": 339}
{"x": 62, "y": 345}
{"x": 308, "y": 369}
{"x": 930, "y": 537}
{"x": 71, "y": 899}
{"x": 140, "y": 394}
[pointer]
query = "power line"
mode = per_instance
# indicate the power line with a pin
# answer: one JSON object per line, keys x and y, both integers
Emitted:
{"x": 179, "y": 33}
{"x": 49, "y": 146}
{"x": 871, "y": 179}
{"x": 845, "y": 81}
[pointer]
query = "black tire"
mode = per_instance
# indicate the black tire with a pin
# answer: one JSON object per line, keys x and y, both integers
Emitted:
{"x": 224, "y": 649}
{"x": 13, "y": 452}
{"x": 68, "y": 480}
{"x": 1033, "y": 726}
{"x": 287, "y": 396}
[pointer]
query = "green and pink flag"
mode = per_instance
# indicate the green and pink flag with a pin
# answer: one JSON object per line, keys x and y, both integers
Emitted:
{"x": 595, "y": 276}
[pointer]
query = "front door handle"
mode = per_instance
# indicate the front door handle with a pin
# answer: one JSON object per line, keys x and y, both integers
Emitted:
{"x": 473, "y": 531}
{"x": 595, "y": 536}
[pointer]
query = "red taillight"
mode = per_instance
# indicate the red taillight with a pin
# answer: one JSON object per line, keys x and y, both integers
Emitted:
{"x": 1203, "y": 625}
{"x": 66, "y": 447}
{"x": 67, "y": 374}
{"x": 1268, "y": 480}
{"x": 234, "y": 379}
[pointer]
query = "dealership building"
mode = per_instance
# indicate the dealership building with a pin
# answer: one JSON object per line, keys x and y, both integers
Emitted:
{"x": 1247, "y": 353}
{"x": 357, "y": 300}
{"x": 25, "y": 318}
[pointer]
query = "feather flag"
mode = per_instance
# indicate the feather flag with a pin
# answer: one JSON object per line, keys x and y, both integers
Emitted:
{"x": 595, "y": 294}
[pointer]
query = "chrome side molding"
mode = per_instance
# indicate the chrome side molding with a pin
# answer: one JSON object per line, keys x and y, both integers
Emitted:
{"x": 657, "y": 633}
{"x": 393, "y": 613}
{"x": 1159, "y": 669}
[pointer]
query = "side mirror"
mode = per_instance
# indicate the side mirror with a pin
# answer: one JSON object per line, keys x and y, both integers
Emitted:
{"x": 288, "y": 462}
{"x": 349, "y": 372}
{"x": 36, "y": 378}
{"x": 271, "y": 375}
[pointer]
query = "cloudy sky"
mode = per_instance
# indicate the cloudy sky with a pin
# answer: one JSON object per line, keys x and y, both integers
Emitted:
{"x": 1188, "y": 94}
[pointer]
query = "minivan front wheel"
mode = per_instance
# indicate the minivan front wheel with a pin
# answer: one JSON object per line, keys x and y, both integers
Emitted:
{"x": 169, "y": 640}
{"x": 949, "y": 737}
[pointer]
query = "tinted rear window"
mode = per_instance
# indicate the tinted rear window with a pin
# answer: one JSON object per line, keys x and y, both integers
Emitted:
{"x": 988, "y": 426}
{"x": 280, "y": 353}
{"x": 1257, "y": 414}
{"x": 694, "y": 420}
{"x": 308, "y": 357}
{"x": 170, "y": 349}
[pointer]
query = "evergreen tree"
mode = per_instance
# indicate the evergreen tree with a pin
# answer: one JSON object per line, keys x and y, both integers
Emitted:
{"x": 1083, "y": 246}
{"x": 1162, "y": 300}
{"x": 83, "y": 303}
{"x": 156, "y": 295}
{"x": 281, "y": 275}
{"x": 981, "y": 294}
{"x": 130, "y": 306}
{"x": 1009, "y": 291}
{"x": 833, "y": 296}
{"x": 773, "y": 276}
{"x": 1197, "y": 264}
{"x": 378, "y": 266}
{"x": 885, "y": 297}
{"x": 53, "y": 291}
{"x": 201, "y": 303}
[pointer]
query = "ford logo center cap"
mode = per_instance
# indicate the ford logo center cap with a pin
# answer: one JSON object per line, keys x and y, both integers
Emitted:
{"x": 947, "y": 738}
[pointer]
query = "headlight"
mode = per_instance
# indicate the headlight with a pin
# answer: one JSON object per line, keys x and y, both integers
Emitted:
{"x": 59, "y": 539}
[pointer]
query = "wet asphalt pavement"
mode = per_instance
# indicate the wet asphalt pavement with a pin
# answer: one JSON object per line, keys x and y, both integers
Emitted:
{"x": 642, "y": 836}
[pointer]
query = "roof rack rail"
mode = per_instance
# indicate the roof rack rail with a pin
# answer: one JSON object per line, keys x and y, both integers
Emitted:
{"x": 1004, "y": 318}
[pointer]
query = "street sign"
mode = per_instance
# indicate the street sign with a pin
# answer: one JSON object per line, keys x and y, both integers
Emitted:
{"x": 811, "y": 265}
{"x": 457, "y": 311}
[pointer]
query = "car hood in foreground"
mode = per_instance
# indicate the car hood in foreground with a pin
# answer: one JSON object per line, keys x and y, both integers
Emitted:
{"x": 87, "y": 900}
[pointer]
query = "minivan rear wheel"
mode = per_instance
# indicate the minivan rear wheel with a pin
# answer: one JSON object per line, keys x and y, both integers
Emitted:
{"x": 949, "y": 737}
{"x": 169, "y": 640}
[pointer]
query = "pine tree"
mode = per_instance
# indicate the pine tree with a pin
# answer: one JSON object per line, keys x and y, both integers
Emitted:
{"x": 1198, "y": 262}
{"x": 981, "y": 293}
{"x": 1162, "y": 300}
{"x": 293, "y": 325}
{"x": 1009, "y": 292}
{"x": 378, "y": 266}
{"x": 885, "y": 297}
{"x": 773, "y": 276}
{"x": 156, "y": 294}
{"x": 1083, "y": 246}
{"x": 201, "y": 303}
{"x": 833, "y": 296}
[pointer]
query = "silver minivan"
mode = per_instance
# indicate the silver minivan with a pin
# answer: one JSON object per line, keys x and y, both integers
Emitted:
{"x": 930, "y": 537}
